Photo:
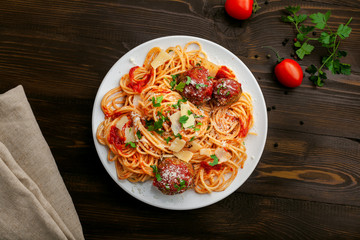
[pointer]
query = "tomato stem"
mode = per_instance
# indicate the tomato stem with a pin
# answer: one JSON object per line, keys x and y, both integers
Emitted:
{"x": 256, "y": 6}
{"x": 279, "y": 59}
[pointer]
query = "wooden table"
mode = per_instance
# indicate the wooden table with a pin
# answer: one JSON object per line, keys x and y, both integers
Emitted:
{"x": 306, "y": 185}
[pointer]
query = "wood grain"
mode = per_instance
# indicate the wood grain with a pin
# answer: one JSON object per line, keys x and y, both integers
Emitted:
{"x": 306, "y": 185}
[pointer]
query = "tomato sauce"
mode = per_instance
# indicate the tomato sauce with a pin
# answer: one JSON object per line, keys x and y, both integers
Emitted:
{"x": 244, "y": 130}
{"x": 137, "y": 85}
{"x": 115, "y": 139}
{"x": 224, "y": 72}
{"x": 208, "y": 168}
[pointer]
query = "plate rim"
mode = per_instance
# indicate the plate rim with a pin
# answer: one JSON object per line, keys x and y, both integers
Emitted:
{"x": 150, "y": 42}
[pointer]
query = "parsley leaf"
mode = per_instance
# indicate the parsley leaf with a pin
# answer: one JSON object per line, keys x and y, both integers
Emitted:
{"x": 133, "y": 145}
{"x": 180, "y": 87}
{"x": 343, "y": 31}
{"x": 216, "y": 160}
{"x": 178, "y": 136}
{"x": 292, "y": 9}
{"x": 183, "y": 119}
{"x": 320, "y": 19}
{"x": 177, "y": 105}
{"x": 182, "y": 185}
{"x": 156, "y": 171}
{"x": 168, "y": 139}
{"x": 157, "y": 102}
{"x": 200, "y": 85}
{"x": 192, "y": 138}
{"x": 172, "y": 84}
{"x": 305, "y": 49}
{"x": 188, "y": 81}
{"x": 138, "y": 134}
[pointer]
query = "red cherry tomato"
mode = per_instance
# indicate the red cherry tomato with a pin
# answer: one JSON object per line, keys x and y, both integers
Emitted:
{"x": 289, "y": 73}
{"x": 239, "y": 9}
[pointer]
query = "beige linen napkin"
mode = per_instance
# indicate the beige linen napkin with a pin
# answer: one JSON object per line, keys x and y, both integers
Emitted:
{"x": 34, "y": 202}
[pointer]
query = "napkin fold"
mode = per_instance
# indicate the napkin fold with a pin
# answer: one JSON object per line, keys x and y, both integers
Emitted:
{"x": 34, "y": 202}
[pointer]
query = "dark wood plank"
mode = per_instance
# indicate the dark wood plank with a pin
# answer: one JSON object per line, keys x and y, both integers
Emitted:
{"x": 306, "y": 185}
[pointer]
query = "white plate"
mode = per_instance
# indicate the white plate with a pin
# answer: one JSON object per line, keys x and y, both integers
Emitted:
{"x": 254, "y": 143}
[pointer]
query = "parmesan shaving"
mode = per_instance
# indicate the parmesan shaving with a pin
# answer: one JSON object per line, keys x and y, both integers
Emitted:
{"x": 190, "y": 122}
{"x": 222, "y": 155}
{"x": 195, "y": 146}
{"x": 136, "y": 100}
{"x": 175, "y": 124}
{"x": 206, "y": 152}
{"x": 177, "y": 145}
{"x": 160, "y": 59}
{"x": 184, "y": 155}
{"x": 213, "y": 68}
{"x": 121, "y": 123}
{"x": 129, "y": 135}
{"x": 185, "y": 108}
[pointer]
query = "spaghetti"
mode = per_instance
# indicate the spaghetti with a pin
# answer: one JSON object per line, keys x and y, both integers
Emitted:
{"x": 147, "y": 119}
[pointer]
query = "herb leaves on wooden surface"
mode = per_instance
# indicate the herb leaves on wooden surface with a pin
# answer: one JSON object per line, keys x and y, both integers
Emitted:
{"x": 329, "y": 38}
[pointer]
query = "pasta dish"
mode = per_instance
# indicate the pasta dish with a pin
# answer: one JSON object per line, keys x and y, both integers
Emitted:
{"x": 179, "y": 120}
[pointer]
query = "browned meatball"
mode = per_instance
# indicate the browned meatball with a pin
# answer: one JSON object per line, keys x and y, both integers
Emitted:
{"x": 226, "y": 91}
{"x": 173, "y": 176}
{"x": 198, "y": 85}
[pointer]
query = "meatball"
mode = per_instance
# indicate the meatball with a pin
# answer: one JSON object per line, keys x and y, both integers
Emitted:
{"x": 173, "y": 176}
{"x": 226, "y": 91}
{"x": 198, "y": 86}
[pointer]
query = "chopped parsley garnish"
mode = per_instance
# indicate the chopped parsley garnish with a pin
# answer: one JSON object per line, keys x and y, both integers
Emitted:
{"x": 181, "y": 185}
{"x": 228, "y": 93}
{"x": 168, "y": 139}
{"x": 209, "y": 77}
{"x": 178, "y": 136}
{"x": 188, "y": 81}
{"x": 157, "y": 102}
{"x": 189, "y": 112}
{"x": 196, "y": 129}
{"x": 220, "y": 87}
{"x": 216, "y": 160}
{"x": 199, "y": 124}
{"x": 162, "y": 116}
{"x": 138, "y": 134}
{"x": 157, "y": 174}
{"x": 133, "y": 145}
{"x": 179, "y": 102}
{"x": 183, "y": 119}
{"x": 192, "y": 139}
{"x": 157, "y": 125}
{"x": 172, "y": 84}
{"x": 174, "y": 77}
{"x": 180, "y": 87}
{"x": 198, "y": 116}
{"x": 200, "y": 85}
{"x": 154, "y": 126}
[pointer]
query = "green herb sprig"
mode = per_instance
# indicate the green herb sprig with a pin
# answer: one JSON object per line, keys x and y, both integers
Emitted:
{"x": 329, "y": 38}
{"x": 156, "y": 171}
{"x": 181, "y": 185}
{"x": 216, "y": 160}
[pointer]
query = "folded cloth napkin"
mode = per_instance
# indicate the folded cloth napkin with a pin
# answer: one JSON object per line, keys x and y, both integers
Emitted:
{"x": 34, "y": 202}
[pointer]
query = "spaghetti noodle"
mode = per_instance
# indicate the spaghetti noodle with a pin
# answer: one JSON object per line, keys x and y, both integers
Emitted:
{"x": 147, "y": 119}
